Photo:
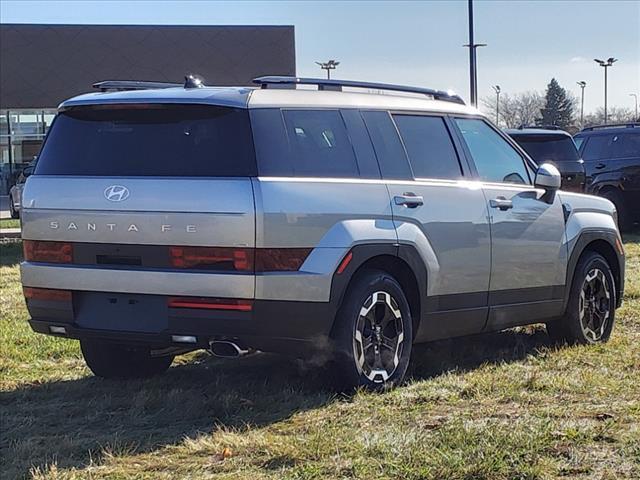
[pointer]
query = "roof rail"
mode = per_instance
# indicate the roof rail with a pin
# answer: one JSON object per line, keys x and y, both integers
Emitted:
{"x": 612, "y": 125}
{"x": 190, "y": 81}
{"x": 327, "y": 84}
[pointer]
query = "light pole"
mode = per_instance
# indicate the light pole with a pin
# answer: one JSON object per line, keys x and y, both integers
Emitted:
{"x": 328, "y": 66}
{"x": 606, "y": 64}
{"x": 582, "y": 84}
{"x": 473, "y": 68}
{"x": 635, "y": 96}
{"x": 496, "y": 88}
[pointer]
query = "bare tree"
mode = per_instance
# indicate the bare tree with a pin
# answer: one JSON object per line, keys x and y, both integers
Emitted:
{"x": 515, "y": 110}
{"x": 614, "y": 115}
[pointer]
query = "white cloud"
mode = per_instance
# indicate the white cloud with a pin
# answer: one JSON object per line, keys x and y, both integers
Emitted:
{"x": 577, "y": 60}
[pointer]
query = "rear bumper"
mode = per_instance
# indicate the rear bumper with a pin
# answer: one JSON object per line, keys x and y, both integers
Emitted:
{"x": 275, "y": 326}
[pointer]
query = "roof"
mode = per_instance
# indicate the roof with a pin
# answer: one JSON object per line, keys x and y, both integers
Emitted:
{"x": 605, "y": 129}
{"x": 248, "y": 97}
{"x": 514, "y": 132}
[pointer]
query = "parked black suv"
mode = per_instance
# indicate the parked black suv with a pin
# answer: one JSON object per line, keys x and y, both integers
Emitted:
{"x": 550, "y": 145}
{"x": 611, "y": 156}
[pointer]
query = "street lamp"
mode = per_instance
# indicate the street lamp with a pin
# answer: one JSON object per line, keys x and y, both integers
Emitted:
{"x": 582, "y": 84}
{"x": 606, "y": 64}
{"x": 473, "y": 68}
{"x": 328, "y": 66}
{"x": 496, "y": 88}
{"x": 635, "y": 96}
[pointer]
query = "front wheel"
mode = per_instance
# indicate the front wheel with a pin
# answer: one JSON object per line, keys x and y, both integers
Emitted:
{"x": 113, "y": 360}
{"x": 591, "y": 308}
{"x": 374, "y": 333}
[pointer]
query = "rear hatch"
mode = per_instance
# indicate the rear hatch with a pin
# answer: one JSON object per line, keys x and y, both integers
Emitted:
{"x": 560, "y": 150}
{"x": 138, "y": 187}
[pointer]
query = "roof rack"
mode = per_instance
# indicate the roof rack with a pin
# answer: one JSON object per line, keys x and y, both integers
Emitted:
{"x": 612, "y": 125}
{"x": 190, "y": 81}
{"x": 327, "y": 84}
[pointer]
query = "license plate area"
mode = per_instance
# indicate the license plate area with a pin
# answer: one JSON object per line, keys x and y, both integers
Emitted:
{"x": 121, "y": 312}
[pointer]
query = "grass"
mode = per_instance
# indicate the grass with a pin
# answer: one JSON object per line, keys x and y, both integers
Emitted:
{"x": 9, "y": 223}
{"x": 500, "y": 406}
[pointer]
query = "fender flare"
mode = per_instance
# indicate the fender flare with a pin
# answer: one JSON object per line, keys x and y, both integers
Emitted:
{"x": 584, "y": 239}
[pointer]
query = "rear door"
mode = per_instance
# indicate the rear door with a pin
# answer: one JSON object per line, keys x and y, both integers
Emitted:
{"x": 127, "y": 182}
{"x": 528, "y": 251}
{"x": 438, "y": 208}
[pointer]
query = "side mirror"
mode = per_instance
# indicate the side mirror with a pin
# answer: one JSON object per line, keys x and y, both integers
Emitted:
{"x": 548, "y": 178}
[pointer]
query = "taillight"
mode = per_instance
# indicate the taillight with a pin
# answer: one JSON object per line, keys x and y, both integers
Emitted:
{"x": 280, "y": 259}
{"x": 211, "y": 303}
{"x": 44, "y": 251}
{"x": 212, "y": 258}
{"x": 47, "y": 294}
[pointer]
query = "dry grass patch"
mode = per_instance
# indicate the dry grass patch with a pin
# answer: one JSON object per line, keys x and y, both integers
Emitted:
{"x": 501, "y": 406}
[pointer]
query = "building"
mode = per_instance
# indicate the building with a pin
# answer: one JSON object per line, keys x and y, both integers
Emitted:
{"x": 41, "y": 65}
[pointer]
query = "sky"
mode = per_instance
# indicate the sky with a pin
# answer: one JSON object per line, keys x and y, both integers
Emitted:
{"x": 415, "y": 43}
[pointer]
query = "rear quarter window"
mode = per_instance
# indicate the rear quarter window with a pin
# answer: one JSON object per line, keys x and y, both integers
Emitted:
{"x": 303, "y": 143}
{"x": 149, "y": 140}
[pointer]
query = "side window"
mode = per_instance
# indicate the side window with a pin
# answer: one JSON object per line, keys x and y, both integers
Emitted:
{"x": 597, "y": 147}
{"x": 387, "y": 145}
{"x": 303, "y": 143}
{"x": 429, "y": 146}
{"x": 494, "y": 158}
{"x": 626, "y": 145}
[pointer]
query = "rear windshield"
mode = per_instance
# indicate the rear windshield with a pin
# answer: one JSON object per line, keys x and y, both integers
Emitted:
{"x": 149, "y": 140}
{"x": 548, "y": 148}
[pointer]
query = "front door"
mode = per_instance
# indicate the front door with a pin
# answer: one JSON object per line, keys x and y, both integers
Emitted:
{"x": 528, "y": 251}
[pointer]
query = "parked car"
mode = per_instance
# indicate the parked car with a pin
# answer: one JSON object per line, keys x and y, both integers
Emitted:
{"x": 551, "y": 145}
{"x": 15, "y": 193}
{"x": 298, "y": 221}
{"x": 612, "y": 160}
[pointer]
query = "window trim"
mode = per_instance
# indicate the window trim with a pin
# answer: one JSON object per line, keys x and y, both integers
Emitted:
{"x": 462, "y": 161}
{"x": 529, "y": 165}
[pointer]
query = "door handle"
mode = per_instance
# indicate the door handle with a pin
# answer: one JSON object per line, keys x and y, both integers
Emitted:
{"x": 409, "y": 200}
{"x": 600, "y": 165}
{"x": 501, "y": 203}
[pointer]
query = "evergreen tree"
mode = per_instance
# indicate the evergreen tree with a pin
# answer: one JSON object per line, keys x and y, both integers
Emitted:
{"x": 558, "y": 107}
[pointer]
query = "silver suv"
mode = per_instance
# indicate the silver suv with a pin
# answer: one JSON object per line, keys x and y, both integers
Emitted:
{"x": 164, "y": 218}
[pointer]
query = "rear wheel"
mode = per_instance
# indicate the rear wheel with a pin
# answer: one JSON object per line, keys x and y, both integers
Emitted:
{"x": 374, "y": 333}
{"x": 591, "y": 309}
{"x": 113, "y": 360}
{"x": 12, "y": 208}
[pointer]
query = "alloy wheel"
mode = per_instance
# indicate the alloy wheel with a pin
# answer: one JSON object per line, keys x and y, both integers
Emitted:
{"x": 595, "y": 305}
{"x": 378, "y": 337}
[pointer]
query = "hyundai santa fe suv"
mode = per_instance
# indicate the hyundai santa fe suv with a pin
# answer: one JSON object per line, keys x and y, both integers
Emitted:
{"x": 164, "y": 218}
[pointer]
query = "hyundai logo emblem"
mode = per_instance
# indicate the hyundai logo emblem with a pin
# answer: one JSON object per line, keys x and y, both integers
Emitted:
{"x": 116, "y": 193}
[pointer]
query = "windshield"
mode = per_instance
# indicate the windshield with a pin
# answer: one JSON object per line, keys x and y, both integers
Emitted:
{"x": 548, "y": 148}
{"x": 149, "y": 140}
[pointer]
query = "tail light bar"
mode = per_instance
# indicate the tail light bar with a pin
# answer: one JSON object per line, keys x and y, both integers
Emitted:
{"x": 45, "y": 251}
{"x": 238, "y": 305}
{"x": 212, "y": 258}
{"x": 47, "y": 294}
{"x": 239, "y": 259}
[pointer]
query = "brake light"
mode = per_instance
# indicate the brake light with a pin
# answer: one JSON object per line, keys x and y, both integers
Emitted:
{"x": 47, "y": 294}
{"x": 212, "y": 258}
{"x": 211, "y": 303}
{"x": 43, "y": 251}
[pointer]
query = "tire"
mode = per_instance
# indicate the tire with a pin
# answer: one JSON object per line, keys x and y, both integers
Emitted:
{"x": 373, "y": 334}
{"x": 12, "y": 209}
{"x": 590, "y": 313}
{"x": 111, "y": 360}
{"x": 615, "y": 197}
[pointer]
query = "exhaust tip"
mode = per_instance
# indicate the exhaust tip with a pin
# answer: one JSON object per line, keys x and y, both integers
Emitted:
{"x": 226, "y": 349}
